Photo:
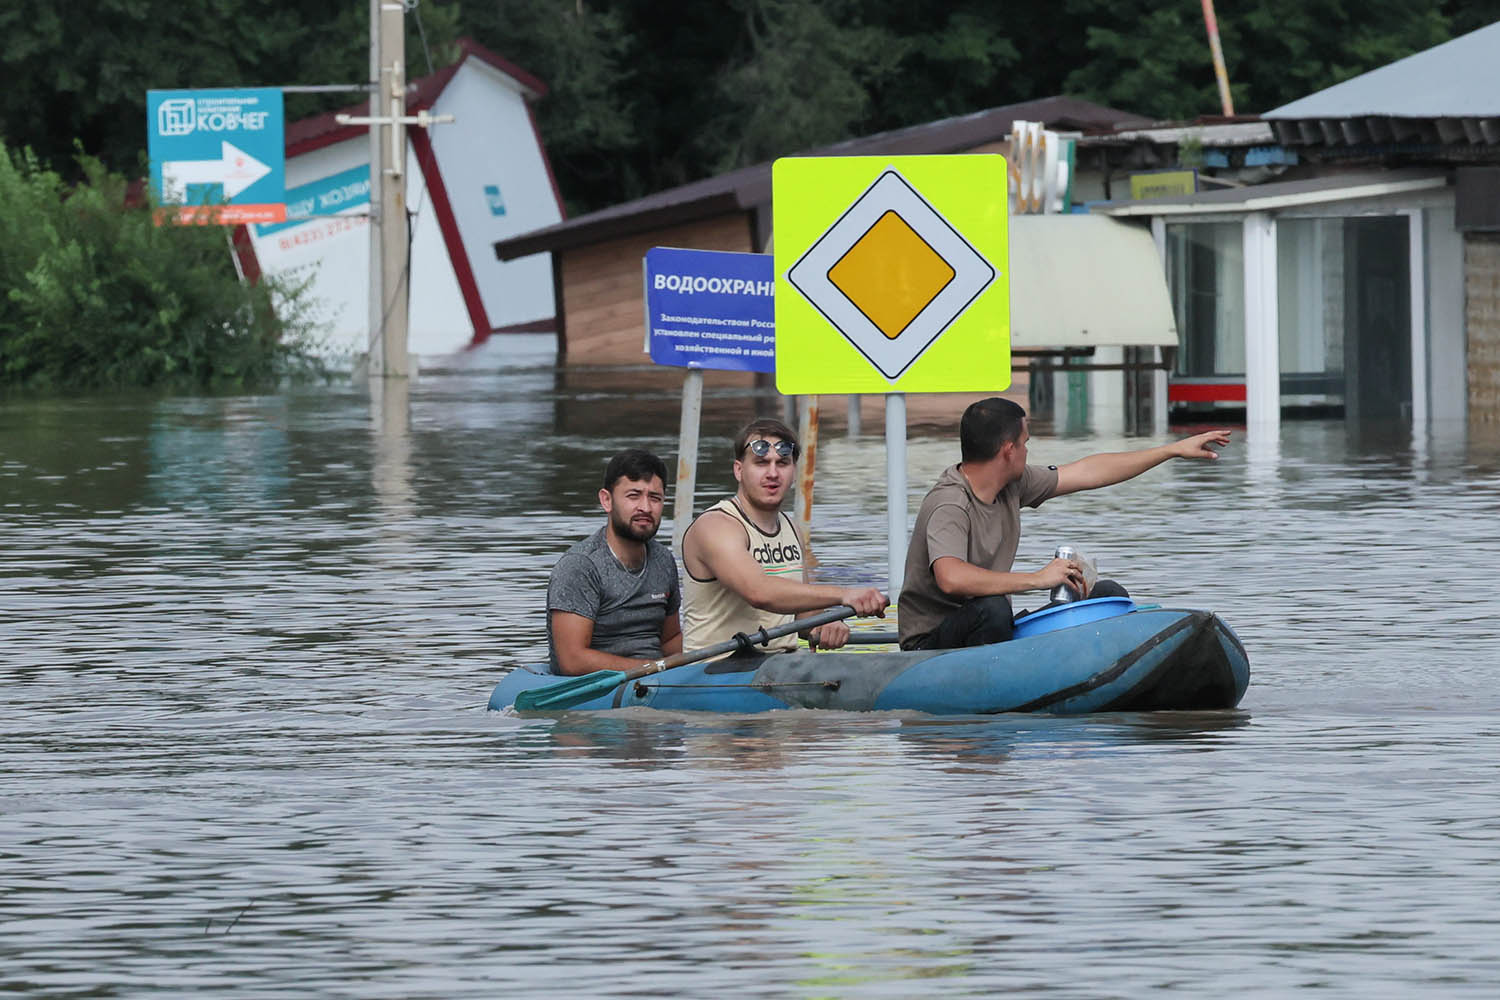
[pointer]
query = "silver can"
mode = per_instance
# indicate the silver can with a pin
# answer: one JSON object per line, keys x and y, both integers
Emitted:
{"x": 1062, "y": 593}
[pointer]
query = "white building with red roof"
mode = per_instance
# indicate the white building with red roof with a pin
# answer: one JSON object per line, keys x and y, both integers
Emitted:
{"x": 469, "y": 184}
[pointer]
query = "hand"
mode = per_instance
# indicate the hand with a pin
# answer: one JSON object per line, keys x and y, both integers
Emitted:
{"x": 1197, "y": 446}
{"x": 866, "y": 603}
{"x": 1062, "y": 571}
{"x": 830, "y": 636}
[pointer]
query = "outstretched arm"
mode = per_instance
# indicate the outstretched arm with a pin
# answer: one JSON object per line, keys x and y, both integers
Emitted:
{"x": 1115, "y": 467}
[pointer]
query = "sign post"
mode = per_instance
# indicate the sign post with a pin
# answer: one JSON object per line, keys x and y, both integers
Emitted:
{"x": 218, "y": 156}
{"x": 705, "y": 309}
{"x": 895, "y": 491}
{"x": 892, "y": 276}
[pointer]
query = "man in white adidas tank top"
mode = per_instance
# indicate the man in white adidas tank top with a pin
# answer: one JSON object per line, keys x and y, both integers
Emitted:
{"x": 743, "y": 560}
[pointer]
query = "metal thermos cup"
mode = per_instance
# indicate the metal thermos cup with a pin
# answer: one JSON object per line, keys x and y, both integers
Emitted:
{"x": 1062, "y": 593}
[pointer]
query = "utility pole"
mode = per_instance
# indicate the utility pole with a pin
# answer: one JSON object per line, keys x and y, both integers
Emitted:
{"x": 390, "y": 229}
{"x": 389, "y": 245}
{"x": 389, "y": 263}
{"x": 1211, "y": 23}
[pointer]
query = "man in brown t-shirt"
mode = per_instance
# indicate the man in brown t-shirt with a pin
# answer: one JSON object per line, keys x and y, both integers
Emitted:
{"x": 958, "y": 563}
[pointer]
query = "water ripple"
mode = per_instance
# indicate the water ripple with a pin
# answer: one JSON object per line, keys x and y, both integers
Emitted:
{"x": 249, "y": 641}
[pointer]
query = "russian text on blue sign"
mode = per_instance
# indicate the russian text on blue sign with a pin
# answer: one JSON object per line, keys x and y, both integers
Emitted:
{"x": 217, "y": 146}
{"x": 330, "y": 195}
{"x": 711, "y": 309}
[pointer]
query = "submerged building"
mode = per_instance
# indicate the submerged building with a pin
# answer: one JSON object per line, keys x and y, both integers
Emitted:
{"x": 482, "y": 178}
{"x": 1364, "y": 278}
{"x": 1340, "y": 254}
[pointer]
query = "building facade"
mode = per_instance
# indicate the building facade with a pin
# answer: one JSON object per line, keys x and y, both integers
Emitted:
{"x": 481, "y": 178}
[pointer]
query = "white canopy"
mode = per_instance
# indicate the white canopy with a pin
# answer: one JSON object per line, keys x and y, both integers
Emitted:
{"x": 1087, "y": 281}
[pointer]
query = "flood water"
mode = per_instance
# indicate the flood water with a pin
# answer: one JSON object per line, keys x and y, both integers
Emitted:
{"x": 248, "y": 643}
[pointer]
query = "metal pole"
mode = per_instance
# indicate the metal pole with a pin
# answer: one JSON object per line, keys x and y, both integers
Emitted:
{"x": 374, "y": 362}
{"x": 687, "y": 457}
{"x": 394, "y": 235}
{"x": 1417, "y": 275}
{"x": 807, "y": 434}
{"x": 1212, "y": 24}
{"x": 854, "y": 417}
{"x": 895, "y": 490}
{"x": 326, "y": 88}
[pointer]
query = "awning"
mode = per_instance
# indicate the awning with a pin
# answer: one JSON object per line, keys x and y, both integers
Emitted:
{"x": 1087, "y": 281}
{"x": 1283, "y": 194}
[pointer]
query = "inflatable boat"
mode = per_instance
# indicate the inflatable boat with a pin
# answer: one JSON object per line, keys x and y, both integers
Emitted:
{"x": 1135, "y": 659}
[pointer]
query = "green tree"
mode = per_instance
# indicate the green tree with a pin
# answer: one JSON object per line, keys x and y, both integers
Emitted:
{"x": 96, "y": 294}
{"x": 954, "y": 59}
{"x": 643, "y": 95}
{"x": 1155, "y": 59}
{"x": 1146, "y": 57}
{"x": 589, "y": 118}
{"x": 800, "y": 78}
{"x": 79, "y": 72}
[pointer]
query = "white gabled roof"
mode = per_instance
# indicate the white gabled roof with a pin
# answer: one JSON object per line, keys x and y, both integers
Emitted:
{"x": 1457, "y": 79}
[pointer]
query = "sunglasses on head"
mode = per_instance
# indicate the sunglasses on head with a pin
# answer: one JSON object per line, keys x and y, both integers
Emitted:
{"x": 760, "y": 448}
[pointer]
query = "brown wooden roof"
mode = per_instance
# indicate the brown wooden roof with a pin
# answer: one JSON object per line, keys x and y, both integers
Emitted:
{"x": 748, "y": 187}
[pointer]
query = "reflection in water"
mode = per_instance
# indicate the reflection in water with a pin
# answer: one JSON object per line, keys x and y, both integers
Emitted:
{"x": 1262, "y": 465}
{"x": 248, "y": 641}
{"x": 647, "y": 738}
{"x": 390, "y": 432}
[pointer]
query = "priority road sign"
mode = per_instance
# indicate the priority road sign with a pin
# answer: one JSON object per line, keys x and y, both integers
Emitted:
{"x": 218, "y": 154}
{"x": 892, "y": 274}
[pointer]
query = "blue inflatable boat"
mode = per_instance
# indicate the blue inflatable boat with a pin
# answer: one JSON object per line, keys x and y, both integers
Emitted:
{"x": 1145, "y": 659}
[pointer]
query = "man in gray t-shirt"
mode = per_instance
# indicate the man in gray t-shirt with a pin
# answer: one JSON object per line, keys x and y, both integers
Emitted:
{"x": 612, "y": 599}
{"x": 958, "y": 578}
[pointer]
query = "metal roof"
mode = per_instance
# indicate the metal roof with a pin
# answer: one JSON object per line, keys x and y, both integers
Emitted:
{"x": 1446, "y": 95}
{"x": 1283, "y": 194}
{"x": 1215, "y": 134}
{"x": 748, "y": 187}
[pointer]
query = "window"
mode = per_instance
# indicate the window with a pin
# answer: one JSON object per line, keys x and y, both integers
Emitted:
{"x": 1206, "y": 273}
{"x": 1310, "y": 306}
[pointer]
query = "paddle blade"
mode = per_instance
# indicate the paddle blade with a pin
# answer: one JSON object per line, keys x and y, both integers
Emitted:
{"x": 573, "y": 691}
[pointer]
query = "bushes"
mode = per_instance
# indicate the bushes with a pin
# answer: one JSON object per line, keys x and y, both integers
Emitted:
{"x": 94, "y": 294}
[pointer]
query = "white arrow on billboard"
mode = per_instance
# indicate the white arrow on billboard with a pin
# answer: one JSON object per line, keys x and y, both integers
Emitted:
{"x": 235, "y": 169}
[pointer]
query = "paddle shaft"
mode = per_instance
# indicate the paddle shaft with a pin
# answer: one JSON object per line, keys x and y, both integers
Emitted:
{"x": 741, "y": 641}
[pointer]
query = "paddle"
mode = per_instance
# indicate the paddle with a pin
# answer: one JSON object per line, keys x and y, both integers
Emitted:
{"x": 576, "y": 690}
{"x": 873, "y": 638}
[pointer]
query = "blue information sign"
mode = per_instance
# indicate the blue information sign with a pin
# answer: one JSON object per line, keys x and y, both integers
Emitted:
{"x": 329, "y": 195}
{"x": 220, "y": 148}
{"x": 711, "y": 309}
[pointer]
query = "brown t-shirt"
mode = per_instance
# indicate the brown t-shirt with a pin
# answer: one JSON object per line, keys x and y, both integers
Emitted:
{"x": 953, "y": 522}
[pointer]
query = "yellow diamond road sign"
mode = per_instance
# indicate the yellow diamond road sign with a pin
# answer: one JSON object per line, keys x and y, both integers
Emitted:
{"x": 891, "y": 274}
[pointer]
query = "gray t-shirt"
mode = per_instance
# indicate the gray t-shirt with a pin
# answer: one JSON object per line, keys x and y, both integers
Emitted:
{"x": 627, "y": 608}
{"x": 953, "y": 522}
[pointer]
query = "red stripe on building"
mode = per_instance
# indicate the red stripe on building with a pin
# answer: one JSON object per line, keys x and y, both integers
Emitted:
{"x": 562, "y": 209}
{"x": 244, "y": 250}
{"x": 437, "y": 191}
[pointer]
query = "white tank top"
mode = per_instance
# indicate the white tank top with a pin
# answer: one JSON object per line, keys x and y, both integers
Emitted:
{"x": 712, "y": 613}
